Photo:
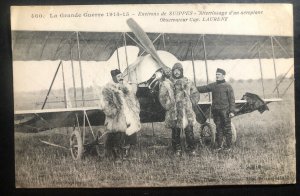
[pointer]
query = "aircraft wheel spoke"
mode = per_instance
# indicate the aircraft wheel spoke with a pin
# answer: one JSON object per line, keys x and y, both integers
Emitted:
{"x": 76, "y": 145}
{"x": 207, "y": 135}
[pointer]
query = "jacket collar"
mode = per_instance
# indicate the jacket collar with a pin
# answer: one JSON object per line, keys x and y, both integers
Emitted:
{"x": 221, "y": 81}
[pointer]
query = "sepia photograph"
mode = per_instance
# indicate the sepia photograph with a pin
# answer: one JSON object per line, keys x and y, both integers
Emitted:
{"x": 153, "y": 95}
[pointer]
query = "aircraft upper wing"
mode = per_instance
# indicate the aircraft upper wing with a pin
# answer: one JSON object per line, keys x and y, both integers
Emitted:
{"x": 100, "y": 46}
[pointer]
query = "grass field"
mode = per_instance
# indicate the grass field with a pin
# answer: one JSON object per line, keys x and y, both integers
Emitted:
{"x": 264, "y": 153}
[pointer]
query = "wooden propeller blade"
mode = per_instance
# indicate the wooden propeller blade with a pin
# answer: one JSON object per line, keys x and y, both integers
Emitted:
{"x": 145, "y": 41}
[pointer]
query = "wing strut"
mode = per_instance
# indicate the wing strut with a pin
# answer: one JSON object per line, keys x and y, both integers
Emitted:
{"x": 193, "y": 64}
{"x": 73, "y": 76}
{"x": 287, "y": 88}
{"x": 51, "y": 84}
{"x": 118, "y": 59}
{"x": 125, "y": 44}
{"x": 206, "y": 69}
{"x": 273, "y": 55}
{"x": 80, "y": 69}
{"x": 64, "y": 85}
{"x": 164, "y": 42}
{"x": 261, "y": 73}
{"x": 283, "y": 77}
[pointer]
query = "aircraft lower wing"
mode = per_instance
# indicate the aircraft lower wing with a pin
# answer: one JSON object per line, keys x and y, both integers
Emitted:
{"x": 151, "y": 111}
{"x": 249, "y": 103}
{"x": 32, "y": 121}
{"x": 41, "y": 120}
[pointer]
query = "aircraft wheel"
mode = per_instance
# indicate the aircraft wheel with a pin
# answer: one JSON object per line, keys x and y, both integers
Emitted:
{"x": 207, "y": 135}
{"x": 76, "y": 145}
{"x": 100, "y": 145}
{"x": 233, "y": 130}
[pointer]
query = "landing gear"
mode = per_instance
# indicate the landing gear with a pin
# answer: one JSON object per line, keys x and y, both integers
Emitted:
{"x": 207, "y": 135}
{"x": 76, "y": 145}
{"x": 233, "y": 131}
{"x": 81, "y": 141}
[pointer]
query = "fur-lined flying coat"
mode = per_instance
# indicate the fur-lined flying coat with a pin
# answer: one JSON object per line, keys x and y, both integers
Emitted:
{"x": 121, "y": 108}
{"x": 176, "y": 97}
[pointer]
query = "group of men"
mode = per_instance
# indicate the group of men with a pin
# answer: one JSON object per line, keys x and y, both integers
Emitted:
{"x": 178, "y": 95}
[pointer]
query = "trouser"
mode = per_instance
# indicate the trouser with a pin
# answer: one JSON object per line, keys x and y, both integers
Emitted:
{"x": 131, "y": 139}
{"x": 223, "y": 126}
{"x": 114, "y": 143}
{"x": 189, "y": 135}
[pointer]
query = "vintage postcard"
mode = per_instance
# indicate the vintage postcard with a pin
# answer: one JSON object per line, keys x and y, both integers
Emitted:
{"x": 153, "y": 95}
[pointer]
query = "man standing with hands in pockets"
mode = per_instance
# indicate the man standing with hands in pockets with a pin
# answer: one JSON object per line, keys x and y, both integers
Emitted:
{"x": 223, "y": 107}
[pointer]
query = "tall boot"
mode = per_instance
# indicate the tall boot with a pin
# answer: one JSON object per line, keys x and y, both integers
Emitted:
{"x": 219, "y": 136}
{"x": 190, "y": 141}
{"x": 130, "y": 140}
{"x": 217, "y": 116}
{"x": 228, "y": 134}
{"x": 109, "y": 152}
{"x": 176, "y": 139}
{"x": 118, "y": 145}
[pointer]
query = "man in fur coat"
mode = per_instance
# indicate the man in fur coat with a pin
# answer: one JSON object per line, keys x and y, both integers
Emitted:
{"x": 122, "y": 109}
{"x": 177, "y": 96}
{"x": 223, "y": 107}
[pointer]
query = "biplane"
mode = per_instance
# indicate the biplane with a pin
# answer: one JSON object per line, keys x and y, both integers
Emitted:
{"x": 45, "y": 45}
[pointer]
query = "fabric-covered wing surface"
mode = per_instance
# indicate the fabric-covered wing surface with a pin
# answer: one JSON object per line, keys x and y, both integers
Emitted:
{"x": 151, "y": 111}
{"x": 249, "y": 103}
{"x": 41, "y": 120}
{"x": 52, "y": 45}
{"x": 99, "y": 46}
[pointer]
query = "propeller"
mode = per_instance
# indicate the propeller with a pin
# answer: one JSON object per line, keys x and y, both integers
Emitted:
{"x": 147, "y": 44}
{"x": 149, "y": 48}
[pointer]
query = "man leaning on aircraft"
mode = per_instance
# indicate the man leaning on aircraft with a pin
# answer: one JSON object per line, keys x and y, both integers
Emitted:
{"x": 223, "y": 107}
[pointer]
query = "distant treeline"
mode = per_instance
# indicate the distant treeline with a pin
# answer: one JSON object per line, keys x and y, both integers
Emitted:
{"x": 35, "y": 99}
{"x": 232, "y": 80}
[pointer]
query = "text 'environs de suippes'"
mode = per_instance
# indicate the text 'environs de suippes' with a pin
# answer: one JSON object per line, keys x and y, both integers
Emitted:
{"x": 182, "y": 13}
